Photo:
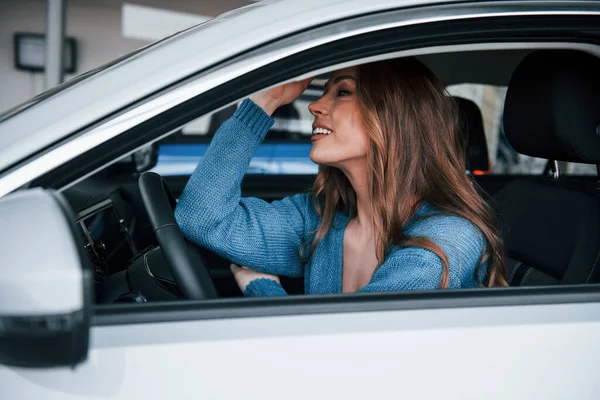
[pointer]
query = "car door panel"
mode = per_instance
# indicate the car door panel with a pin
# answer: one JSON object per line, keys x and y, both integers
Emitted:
{"x": 517, "y": 352}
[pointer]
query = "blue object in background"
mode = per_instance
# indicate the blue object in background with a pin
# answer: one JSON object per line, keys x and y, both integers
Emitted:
{"x": 270, "y": 159}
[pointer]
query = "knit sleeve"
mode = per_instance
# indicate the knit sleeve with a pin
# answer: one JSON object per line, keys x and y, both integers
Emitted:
{"x": 416, "y": 268}
{"x": 263, "y": 287}
{"x": 263, "y": 236}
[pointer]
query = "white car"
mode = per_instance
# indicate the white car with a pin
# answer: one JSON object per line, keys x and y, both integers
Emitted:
{"x": 91, "y": 308}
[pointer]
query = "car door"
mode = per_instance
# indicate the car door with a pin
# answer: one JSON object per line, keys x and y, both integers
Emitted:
{"x": 452, "y": 345}
{"x": 497, "y": 343}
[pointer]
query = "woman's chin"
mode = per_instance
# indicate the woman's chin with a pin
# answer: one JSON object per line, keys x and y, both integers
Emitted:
{"x": 325, "y": 157}
{"x": 318, "y": 158}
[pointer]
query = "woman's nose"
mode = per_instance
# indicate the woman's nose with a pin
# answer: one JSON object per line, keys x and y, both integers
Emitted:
{"x": 317, "y": 108}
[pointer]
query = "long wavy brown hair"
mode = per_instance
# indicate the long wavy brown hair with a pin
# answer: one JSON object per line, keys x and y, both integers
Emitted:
{"x": 416, "y": 154}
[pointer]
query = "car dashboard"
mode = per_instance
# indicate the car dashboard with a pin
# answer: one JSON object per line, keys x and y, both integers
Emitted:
{"x": 122, "y": 247}
{"x": 113, "y": 226}
{"x": 107, "y": 236}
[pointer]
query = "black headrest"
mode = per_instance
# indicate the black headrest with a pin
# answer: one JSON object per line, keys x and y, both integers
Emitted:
{"x": 471, "y": 123}
{"x": 552, "y": 107}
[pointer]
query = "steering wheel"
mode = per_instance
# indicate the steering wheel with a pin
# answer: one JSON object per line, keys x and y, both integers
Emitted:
{"x": 188, "y": 267}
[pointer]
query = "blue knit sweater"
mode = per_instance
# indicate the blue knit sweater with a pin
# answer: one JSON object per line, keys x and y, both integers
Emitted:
{"x": 268, "y": 236}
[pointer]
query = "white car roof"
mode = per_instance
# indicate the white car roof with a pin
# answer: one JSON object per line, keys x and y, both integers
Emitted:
{"x": 39, "y": 124}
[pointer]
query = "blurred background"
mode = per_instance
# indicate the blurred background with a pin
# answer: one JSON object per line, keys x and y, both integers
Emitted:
{"x": 95, "y": 32}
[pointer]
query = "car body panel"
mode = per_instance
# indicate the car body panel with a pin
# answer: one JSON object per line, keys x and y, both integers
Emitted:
{"x": 525, "y": 352}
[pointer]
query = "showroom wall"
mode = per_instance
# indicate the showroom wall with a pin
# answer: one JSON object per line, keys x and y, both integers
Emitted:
{"x": 97, "y": 26}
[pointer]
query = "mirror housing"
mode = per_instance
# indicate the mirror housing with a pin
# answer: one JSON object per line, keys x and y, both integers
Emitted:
{"x": 46, "y": 283}
{"x": 145, "y": 158}
{"x": 136, "y": 163}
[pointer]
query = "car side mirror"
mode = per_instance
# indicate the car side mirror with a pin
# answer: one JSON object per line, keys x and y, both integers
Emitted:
{"x": 46, "y": 285}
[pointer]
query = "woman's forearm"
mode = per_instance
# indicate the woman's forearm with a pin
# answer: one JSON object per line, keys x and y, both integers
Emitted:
{"x": 247, "y": 231}
{"x": 214, "y": 187}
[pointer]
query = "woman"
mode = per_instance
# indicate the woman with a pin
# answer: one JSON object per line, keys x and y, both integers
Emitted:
{"x": 392, "y": 207}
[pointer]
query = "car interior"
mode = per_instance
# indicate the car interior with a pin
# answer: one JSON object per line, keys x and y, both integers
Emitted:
{"x": 550, "y": 220}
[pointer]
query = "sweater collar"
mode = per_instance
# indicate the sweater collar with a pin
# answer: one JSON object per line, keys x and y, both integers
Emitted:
{"x": 340, "y": 220}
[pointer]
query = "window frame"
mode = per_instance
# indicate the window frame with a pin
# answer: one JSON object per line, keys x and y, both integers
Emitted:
{"x": 393, "y": 41}
{"x": 187, "y": 310}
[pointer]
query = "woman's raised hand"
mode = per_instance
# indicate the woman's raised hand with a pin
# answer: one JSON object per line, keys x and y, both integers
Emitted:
{"x": 269, "y": 100}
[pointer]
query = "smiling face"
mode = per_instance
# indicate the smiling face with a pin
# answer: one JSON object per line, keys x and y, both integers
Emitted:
{"x": 339, "y": 138}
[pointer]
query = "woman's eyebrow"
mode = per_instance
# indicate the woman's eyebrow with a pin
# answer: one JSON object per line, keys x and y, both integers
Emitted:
{"x": 336, "y": 80}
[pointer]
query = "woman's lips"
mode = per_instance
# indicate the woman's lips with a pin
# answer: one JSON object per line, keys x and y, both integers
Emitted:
{"x": 319, "y": 132}
{"x": 318, "y": 136}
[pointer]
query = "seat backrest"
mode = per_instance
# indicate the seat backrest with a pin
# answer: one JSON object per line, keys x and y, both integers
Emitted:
{"x": 551, "y": 232}
{"x": 551, "y": 227}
